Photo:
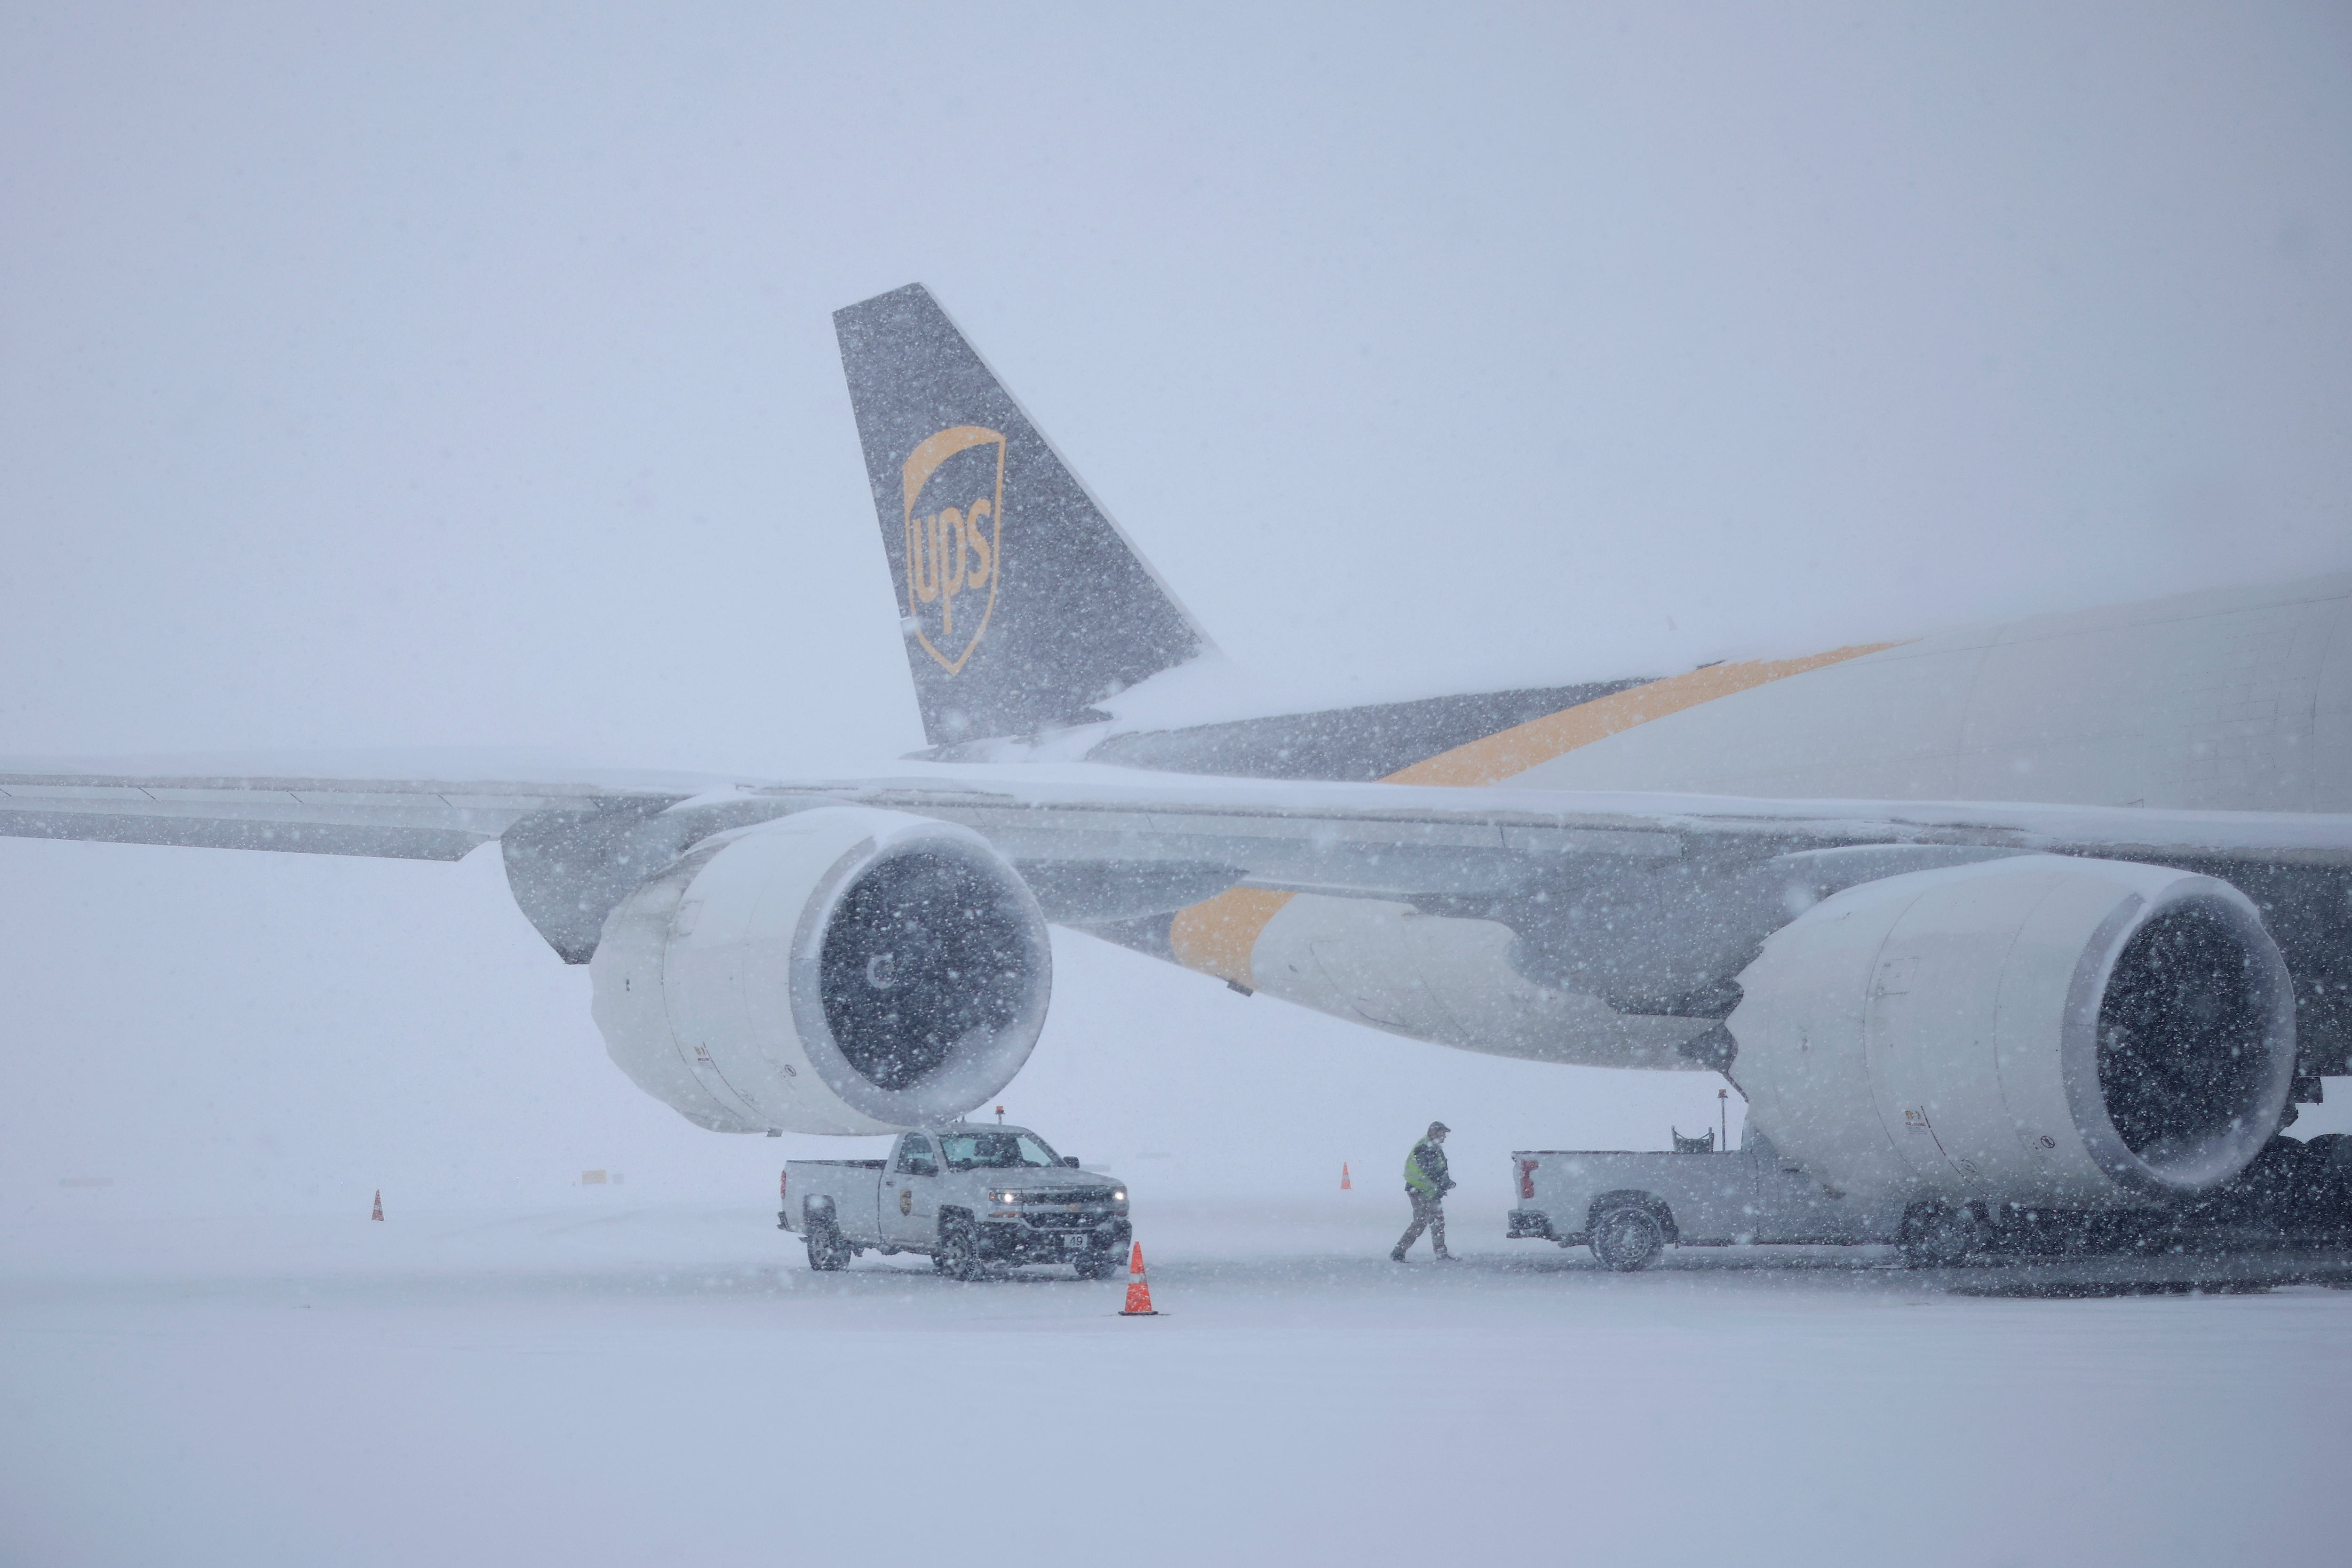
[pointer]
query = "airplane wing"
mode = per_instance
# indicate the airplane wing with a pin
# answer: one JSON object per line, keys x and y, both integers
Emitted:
{"x": 1612, "y": 929}
{"x": 572, "y": 847}
{"x": 1101, "y": 844}
{"x": 1374, "y": 840}
{"x": 1384, "y": 840}
{"x": 403, "y": 820}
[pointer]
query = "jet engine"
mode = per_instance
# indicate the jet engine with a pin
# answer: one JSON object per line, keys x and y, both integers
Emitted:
{"x": 2040, "y": 1030}
{"x": 839, "y": 970}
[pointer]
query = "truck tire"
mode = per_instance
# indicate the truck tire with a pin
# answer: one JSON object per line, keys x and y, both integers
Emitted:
{"x": 1939, "y": 1235}
{"x": 1627, "y": 1237}
{"x": 958, "y": 1254}
{"x": 828, "y": 1249}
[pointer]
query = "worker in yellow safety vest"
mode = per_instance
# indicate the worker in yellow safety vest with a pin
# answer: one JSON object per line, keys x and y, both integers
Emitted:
{"x": 1426, "y": 1183}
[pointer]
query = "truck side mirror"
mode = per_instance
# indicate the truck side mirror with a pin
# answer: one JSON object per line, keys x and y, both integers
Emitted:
{"x": 1071, "y": 1161}
{"x": 921, "y": 1168}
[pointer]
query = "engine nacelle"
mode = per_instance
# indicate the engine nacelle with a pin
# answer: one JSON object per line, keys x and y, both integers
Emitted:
{"x": 839, "y": 970}
{"x": 2044, "y": 1030}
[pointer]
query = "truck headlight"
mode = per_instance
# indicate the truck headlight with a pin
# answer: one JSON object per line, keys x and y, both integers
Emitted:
{"x": 1005, "y": 1197}
{"x": 1119, "y": 1196}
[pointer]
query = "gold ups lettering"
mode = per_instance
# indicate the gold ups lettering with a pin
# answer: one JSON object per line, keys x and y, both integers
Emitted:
{"x": 955, "y": 541}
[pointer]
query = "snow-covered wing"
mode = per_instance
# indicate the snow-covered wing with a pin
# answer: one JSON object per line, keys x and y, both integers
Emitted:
{"x": 397, "y": 819}
{"x": 1392, "y": 840}
{"x": 1182, "y": 866}
{"x": 1372, "y": 840}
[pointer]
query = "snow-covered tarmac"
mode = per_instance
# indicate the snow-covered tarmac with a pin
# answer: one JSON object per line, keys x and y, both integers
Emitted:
{"x": 593, "y": 1386}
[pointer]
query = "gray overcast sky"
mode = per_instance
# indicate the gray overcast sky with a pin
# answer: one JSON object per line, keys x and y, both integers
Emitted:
{"x": 413, "y": 375}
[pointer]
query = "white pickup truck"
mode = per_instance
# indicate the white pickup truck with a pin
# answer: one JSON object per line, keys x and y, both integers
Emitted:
{"x": 978, "y": 1199}
{"x": 1628, "y": 1208}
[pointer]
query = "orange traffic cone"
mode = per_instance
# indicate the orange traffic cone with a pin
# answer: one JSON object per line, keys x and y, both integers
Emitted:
{"x": 1345, "y": 1185}
{"x": 1139, "y": 1289}
{"x": 379, "y": 1204}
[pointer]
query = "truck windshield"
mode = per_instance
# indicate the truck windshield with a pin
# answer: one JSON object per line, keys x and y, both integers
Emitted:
{"x": 996, "y": 1151}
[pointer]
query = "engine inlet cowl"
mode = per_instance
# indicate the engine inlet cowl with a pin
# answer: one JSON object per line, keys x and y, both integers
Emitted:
{"x": 2042, "y": 1029}
{"x": 839, "y": 970}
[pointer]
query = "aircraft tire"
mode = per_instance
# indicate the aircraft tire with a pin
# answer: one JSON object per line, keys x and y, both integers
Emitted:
{"x": 1939, "y": 1236}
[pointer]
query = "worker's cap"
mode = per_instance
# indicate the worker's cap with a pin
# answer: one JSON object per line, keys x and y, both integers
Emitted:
{"x": 1437, "y": 1127}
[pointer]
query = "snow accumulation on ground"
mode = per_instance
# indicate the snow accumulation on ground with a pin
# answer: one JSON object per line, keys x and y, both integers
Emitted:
{"x": 624, "y": 1384}
{"x": 517, "y": 1369}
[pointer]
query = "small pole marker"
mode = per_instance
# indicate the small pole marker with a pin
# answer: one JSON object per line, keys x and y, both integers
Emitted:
{"x": 379, "y": 1204}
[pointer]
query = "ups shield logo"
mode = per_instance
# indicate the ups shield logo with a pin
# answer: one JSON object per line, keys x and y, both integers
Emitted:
{"x": 955, "y": 538}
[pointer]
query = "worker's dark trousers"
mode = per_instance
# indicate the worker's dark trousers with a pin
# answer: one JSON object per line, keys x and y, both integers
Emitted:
{"x": 1428, "y": 1213}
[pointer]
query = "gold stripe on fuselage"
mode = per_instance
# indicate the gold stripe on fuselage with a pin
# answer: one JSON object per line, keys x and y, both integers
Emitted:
{"x": 1217, "y": 935}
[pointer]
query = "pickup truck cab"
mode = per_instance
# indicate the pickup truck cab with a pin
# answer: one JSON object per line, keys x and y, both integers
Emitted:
{"x": 1628, "y": 1208}
{"x": 979, "y": 1199}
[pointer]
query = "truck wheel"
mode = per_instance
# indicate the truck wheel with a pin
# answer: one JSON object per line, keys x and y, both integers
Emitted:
{"x": 1938, "y": 1235}
{"x": 826, "y": 1249}
{"x": 1628, "y": 1238}
{"x": 958, "y": 1254}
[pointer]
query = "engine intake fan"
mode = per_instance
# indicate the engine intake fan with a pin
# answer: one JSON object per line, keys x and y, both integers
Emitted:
{"x": 840, "y": 970}
{"x": 2043, "y": 1029}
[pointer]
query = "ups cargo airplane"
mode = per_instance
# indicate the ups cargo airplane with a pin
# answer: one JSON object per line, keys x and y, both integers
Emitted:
{"x": 2057, "y": 913}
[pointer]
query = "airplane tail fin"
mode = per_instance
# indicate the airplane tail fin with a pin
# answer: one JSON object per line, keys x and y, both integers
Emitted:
{"x": 1024, "y": 604}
